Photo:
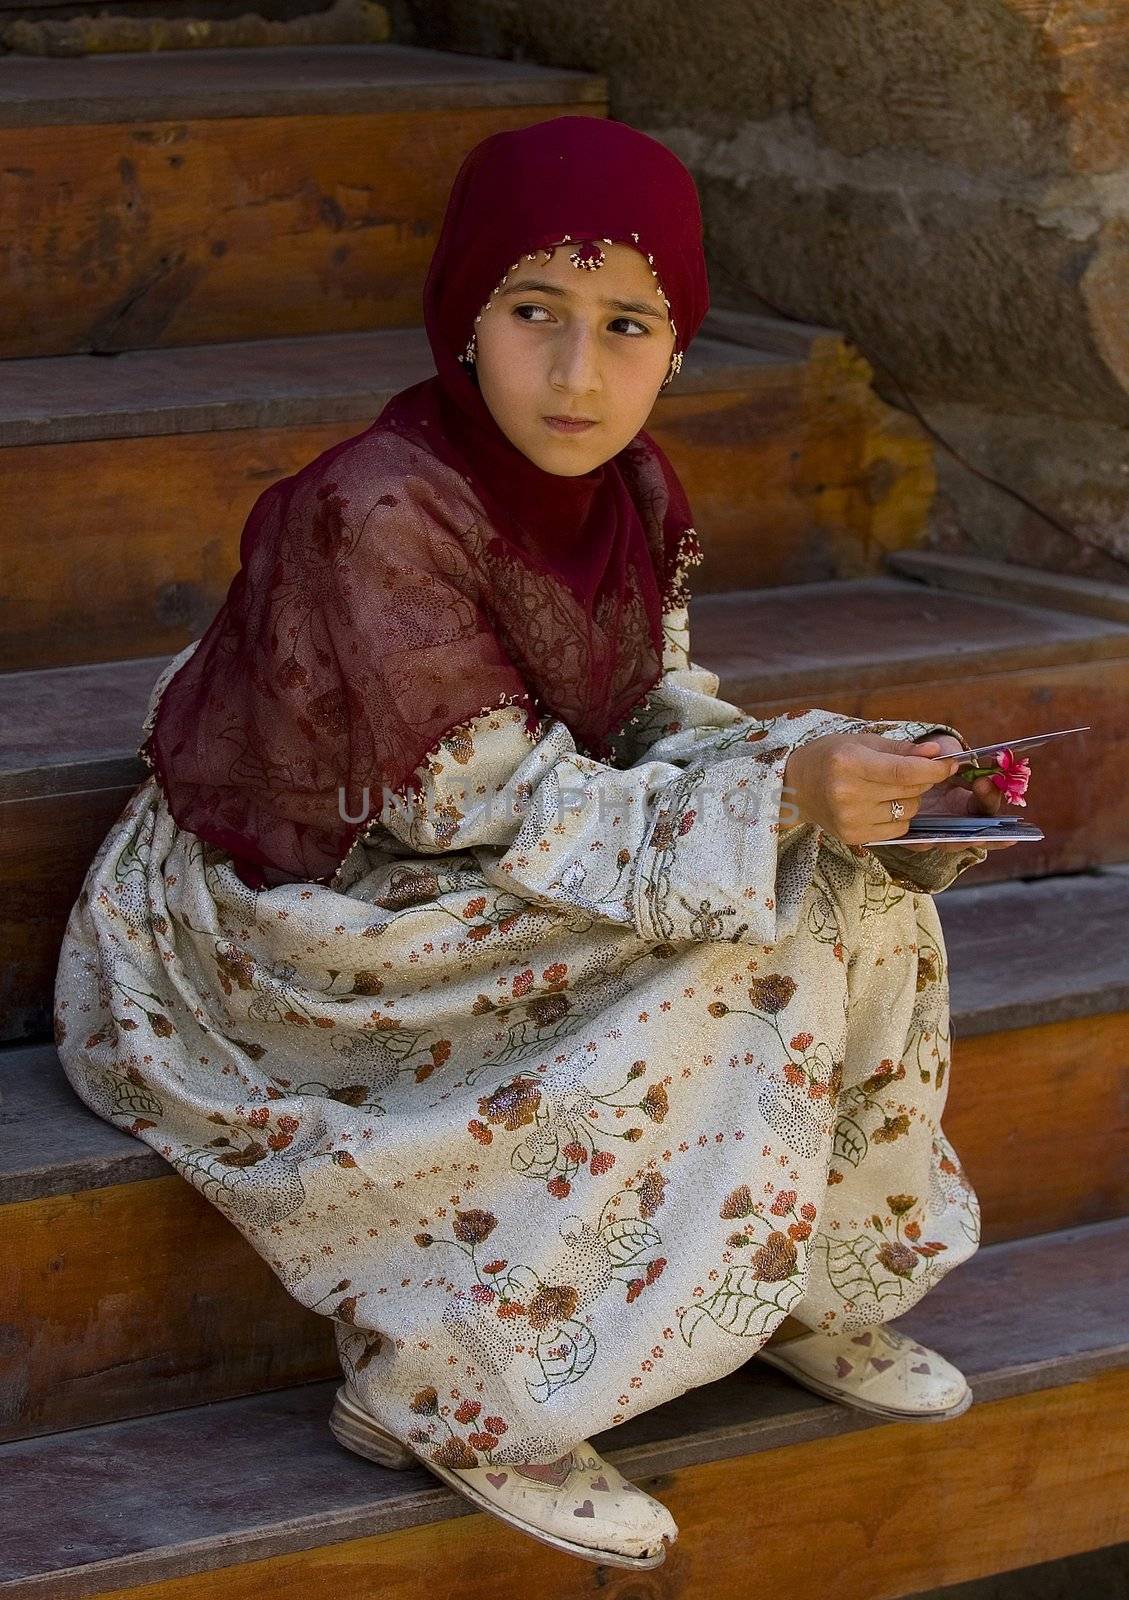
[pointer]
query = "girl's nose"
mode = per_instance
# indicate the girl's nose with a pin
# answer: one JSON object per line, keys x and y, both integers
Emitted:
{"x": 574, "y": 367}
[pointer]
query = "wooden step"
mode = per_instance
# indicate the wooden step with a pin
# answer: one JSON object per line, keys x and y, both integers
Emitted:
{"x": 252, "y": 1496}
{"x": 1062, "y": 591}
{"x": 875, "y": 648}
{"x": 1040, "y": 1012}
{"x": 182, "y": 197}
{"x": 795, "y": 470}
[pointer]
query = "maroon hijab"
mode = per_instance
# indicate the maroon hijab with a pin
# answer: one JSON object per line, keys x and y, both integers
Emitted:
{"x": 427, "y": 570}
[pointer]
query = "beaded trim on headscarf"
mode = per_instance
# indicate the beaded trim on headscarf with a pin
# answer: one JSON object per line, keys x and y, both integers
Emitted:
{"x": 587, "y": 257}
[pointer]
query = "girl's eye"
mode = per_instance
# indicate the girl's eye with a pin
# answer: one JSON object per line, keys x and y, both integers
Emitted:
{"x": 519, "y": 311}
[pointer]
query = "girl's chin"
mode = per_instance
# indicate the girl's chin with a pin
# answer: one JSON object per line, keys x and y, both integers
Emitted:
{"x": 565, "y": 459}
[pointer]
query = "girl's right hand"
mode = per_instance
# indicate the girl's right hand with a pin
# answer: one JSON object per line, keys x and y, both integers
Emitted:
{"x": 844, "y": 783}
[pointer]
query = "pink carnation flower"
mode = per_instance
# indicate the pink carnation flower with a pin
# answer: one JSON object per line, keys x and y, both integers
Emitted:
{"x": 1013, "y": 777}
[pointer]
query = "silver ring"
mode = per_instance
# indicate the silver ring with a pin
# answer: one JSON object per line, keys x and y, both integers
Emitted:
{"x": 897, "y": 810}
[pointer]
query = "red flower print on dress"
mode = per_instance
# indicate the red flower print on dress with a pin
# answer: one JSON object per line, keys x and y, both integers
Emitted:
{"x": 602, "y": 1161}
{"x": 513, "y": 1105}
{"x": 892, "y": 1128}
{"x": 472, "y": 1227}
{"x": 651, "y": 1193}
{"x": 553, "y": 1304}
{"x": 775, "y": 1259}
{"x": 898, "y": 1258}
{"x": 454, "y": 1452}
{"x": 654, "y": 1103}
{"x": 783, "y": 1203}
{"x": 772, "y": 992}
{"x": 737, "y": 1204}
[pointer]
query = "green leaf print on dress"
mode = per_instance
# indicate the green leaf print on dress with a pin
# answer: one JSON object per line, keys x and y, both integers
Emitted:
{"x": 752, "y": 1297}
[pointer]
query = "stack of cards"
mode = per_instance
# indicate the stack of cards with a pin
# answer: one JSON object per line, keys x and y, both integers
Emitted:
{"x": 964, "y": 831}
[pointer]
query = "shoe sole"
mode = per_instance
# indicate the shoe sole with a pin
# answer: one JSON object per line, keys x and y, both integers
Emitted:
{"x": 358, "y": 1432}
{"x": 830, "y": 1393}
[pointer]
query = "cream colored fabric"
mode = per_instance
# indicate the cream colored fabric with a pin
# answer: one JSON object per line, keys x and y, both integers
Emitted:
{"x": 574, "y": 1083}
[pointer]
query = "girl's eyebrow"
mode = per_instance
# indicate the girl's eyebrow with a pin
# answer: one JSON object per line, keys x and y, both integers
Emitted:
{"x": 636, "y": 307}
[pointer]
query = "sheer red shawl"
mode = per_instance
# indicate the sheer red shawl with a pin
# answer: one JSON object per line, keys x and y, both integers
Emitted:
{"x": 425, "y": 570}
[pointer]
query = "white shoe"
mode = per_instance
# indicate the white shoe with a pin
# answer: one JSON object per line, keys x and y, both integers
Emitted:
{"x": 580, "y": 1503}
{"x": 878, "y": 1370}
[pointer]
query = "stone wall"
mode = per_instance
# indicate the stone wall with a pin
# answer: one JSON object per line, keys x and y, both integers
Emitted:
{"x": 949, "y": 184}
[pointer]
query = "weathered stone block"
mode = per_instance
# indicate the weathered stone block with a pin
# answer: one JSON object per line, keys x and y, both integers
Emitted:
{"x": 1076, "y": 472}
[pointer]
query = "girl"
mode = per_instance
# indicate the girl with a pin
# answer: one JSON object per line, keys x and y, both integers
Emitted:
{"x": 459, "y": 947}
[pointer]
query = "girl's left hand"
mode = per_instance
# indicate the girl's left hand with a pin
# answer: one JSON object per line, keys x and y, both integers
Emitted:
{"x": 957, "y": 797}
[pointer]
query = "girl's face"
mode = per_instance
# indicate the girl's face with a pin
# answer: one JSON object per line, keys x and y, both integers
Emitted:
{"x": 559, "y": 341}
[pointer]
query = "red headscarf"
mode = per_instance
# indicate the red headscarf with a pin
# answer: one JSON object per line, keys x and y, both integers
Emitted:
{"x": 426, "y": 570}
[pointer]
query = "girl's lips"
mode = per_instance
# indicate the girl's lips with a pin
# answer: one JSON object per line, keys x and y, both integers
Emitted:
{"x": 569, "y": 425}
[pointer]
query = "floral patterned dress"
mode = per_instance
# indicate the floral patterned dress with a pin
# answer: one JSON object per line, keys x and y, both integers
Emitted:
{"x": 573, "y": 1083}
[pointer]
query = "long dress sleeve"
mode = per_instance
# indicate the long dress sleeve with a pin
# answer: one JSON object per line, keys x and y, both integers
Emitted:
{"x": 681, "y": 842}
{"x": 683, "y": 713}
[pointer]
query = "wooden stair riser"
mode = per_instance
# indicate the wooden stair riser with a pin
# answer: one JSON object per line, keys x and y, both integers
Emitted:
{"x": 139, "y": 235}
{"x": 46, "y": 847}
{"x": 140, "y": 1298}
{"x": 1013, "y": 1482}
{"x": 1033, "y": 1173}
{"x": 1079, "y": 792}
{"x": 774, "y": 470}
{"x": 167, "y": 1263}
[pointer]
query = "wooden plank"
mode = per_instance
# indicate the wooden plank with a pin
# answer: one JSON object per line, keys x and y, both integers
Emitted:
{"x": 70, "y": 718}
{"x": 1039, "y": 1328}
{"x": 1005, "y": 1117}
{"x": 1005, "y": 580}
{"x": 965, "y": 1522}
{"x": 271, "y": 82}
{"x": 244, "y": 226}
{"x": 46, "y": 847}
{"x": 826, "y": 638}
{"x": 1037, "y": 951}
{"x": 141, "y": 1297}
{"x": 261, "y": 383}
{"x": 795, "y": 473}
